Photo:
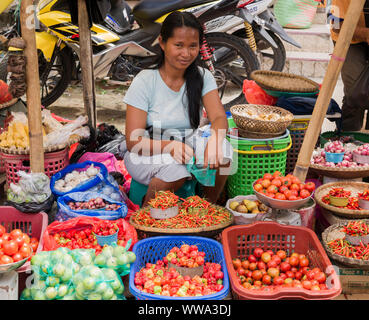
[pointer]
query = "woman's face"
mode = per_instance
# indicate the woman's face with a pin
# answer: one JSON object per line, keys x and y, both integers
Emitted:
{"x": 182, "y": 48}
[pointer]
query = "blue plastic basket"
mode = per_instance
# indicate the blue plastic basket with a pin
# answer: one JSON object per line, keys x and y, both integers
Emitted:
{"x": 153, "y": 249}
{"x": 109, "y": 240}
{"x": 334, "y": 157}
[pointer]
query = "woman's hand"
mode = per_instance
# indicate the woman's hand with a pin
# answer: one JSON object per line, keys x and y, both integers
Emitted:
{"x": 181, "y": 152}
{"x": 213, "y": 152}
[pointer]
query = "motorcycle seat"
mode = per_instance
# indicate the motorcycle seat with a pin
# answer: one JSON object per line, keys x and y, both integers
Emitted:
{"x": 150, "y": 10}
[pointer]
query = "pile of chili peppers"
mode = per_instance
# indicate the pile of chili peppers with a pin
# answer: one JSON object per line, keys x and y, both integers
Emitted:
{"x": 353, "y": 203}
{"x": 364, "y": 195}
{"x": 164, "y": 200}
{"x": 212, "y": 216}
{"x": 339, "y": 193}
{"x": 356, "y": 228}
{"x": 344, "y": 248}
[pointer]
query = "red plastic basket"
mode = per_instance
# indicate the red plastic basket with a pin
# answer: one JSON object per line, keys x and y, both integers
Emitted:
{"x": 240, "y": 242}
{"x": 33, "y": 224}
{"x": 54, "y": 162}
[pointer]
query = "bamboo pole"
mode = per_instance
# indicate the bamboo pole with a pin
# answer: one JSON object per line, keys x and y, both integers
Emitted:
{"x": 33, "y": 88}
{"x": 329, "y": 83}
{"x": 88, "y": 78}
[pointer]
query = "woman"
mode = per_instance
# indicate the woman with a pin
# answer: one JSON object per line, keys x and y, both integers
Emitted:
{"x": 170, "y": 98}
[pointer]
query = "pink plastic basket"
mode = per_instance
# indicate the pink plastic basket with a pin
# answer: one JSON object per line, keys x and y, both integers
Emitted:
{"x": 33, "y": 224}
{"x": 54, "y": 162}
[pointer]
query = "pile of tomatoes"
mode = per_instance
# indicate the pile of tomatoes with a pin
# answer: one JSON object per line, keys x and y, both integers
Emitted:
{"x": 16, "y": 246}
{"x": 264, "y": 270}
{"x": 185, "y": 256}
{"x": 105, "y": 228}
{"x": 283, "y": 188}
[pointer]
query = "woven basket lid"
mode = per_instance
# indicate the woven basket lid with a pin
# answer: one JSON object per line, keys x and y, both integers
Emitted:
{"x": 280, "y": 81}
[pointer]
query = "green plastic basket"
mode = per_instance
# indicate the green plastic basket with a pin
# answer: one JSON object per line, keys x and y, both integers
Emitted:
{"x": 252, "y": 165}
{"x": 359, "y": 136}
{"x": 259, "y": 145}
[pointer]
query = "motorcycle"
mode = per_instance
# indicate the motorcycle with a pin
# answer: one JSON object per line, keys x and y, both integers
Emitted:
{"x": 260, "y": 29}
{"x": 121, "y": 49}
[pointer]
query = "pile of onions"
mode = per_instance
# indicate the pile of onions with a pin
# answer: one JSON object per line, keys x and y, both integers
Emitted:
{"x": 363, "y": 150}
{"x": 347, "y": 162}
{"x": 334, "y": 147}
{"x": 92, "y": 204}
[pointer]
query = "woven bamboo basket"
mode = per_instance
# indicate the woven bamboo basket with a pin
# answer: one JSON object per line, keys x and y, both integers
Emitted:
{"x": 341, "y": 173}
{"x": 249, "y": 125}
{"x": 281, "y": 81}
{"x": 354, "y": 187}
{"x": 211, "y": 231}
{"x": 332, "y": 233}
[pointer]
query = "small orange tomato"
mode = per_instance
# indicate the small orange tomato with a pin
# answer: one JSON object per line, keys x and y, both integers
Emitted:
{"x": 268, "y": 176}
{"x": 265, "y": 183}
{"x": 258, "y": 187}
{"x": 277, "y": 182}
{"x": 272, "y": 189}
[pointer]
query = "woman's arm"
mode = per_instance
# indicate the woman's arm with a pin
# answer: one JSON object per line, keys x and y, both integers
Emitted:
{"x": 137, "y": 143}
{"x": 219, "y": 125}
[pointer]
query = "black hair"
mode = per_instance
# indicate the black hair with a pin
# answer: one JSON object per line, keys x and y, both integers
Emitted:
{"x": 193, "y": 77}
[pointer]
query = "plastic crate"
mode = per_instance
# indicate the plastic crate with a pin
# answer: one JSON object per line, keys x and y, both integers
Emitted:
{"x": 240, "y": 241}
{"x": 153, "y": 249}
{"x": 297, "y": 130}
{"x": 326, "y": 136}
{"x": 252, "y": 165}
{"x": 53, "y": 163}
{"x": 33, "y": 224}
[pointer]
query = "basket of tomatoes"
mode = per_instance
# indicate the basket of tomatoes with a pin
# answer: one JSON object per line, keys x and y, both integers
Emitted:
{"x": 279, "y": 192}
{"x": 267, "y": 260}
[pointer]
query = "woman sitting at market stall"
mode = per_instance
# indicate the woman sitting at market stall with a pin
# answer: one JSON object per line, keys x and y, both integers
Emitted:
{"x": 164, "y": 105}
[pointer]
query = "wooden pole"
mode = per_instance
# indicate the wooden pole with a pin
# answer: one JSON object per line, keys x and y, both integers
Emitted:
{"x": 88, "y": 78}
{"x": 329, "y": 83}
{"x": 33, "y": 88}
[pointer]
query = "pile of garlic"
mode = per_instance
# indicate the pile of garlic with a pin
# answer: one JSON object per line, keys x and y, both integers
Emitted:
{"x": 75, "y": 178}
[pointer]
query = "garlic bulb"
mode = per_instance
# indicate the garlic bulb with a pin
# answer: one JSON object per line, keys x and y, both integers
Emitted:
{"x": 92, "y": 171}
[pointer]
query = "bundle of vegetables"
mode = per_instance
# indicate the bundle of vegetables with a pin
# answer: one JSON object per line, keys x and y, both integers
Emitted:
{"x": 346, "y": 249}
{"x": 97, "y": 203}
{"x": 356, "y": 228}
{"x": 164, "y": 200}
{"x": 71, "y": 275}
{"x": 75, "y": 178}
{"x": 78, "y": 233}
{"x": 213, "y": 216}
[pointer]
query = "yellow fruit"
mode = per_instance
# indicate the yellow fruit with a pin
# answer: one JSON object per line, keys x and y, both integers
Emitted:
{"x": 241, "y": 209}
{"x": 233, "y": 205}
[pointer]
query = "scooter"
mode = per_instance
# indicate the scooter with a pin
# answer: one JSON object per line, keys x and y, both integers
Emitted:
{"x": 120, "y": 54}
{"x": 262, "y": 31}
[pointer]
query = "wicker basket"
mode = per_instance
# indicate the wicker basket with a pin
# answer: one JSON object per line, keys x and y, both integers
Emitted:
{"x": 354, "y": 187}
{"x": 332, "y": 233}
{"x": 280, "y": 81}
{"x": 247, "y": 124}
{"x": 340, "y": 173}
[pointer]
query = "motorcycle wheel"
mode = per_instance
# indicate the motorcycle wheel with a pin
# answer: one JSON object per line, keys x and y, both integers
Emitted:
{"x": 232, "y": 66}
{"x": 270, "y": 58}
{"x": 57, "y": 79}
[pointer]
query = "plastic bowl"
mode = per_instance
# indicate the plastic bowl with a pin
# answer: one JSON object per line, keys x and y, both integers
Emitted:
{"x": 158, "y": 213}
{"x": 334, "y": 157}
{"x": 359, "y": 158}
{"x": 338, "y": 202}
{"x": 107, "y": 240}
{"x": 364, "y": 204}
{"x": 281, "y": 204}
{"x": 13, "y": 266}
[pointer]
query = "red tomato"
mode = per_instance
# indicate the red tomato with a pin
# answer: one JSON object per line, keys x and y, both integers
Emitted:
{"x": 251, "y": 258}
{"x": 34, "y": 246}
{"x": 6, "y": 236}
{"x": 4, "y": 259}
{"x": 277, "y": 174}
{"x": 19, "y": 240}
{"x": 277, "y": 182}
{"x": 294, "y": 261}
{"x": 272, "y": 264}
{"x": 273, "y": 272}
{"x": 277, "y": 259}
{"x": 10, "y": 247}
{"x": 292, "y": 197}
{"x": 295, "y": 186}
{"x": 288, "y": 194}
{"x": 245, "y": 264}
{"x": 258, "y": 252}
{"x": 268, "y": 176}
{"x": 266, "y": 183}
{"x": 298, "y": 275}
{"x": 306, "y": 284}
{"x": 295, "y": 180}
{"x": 25, "y": 250}
{"x": 272, "y": 189}
{"x": 265, "y": 257}
{"x": 295, "y": 193}
{"x": 258, "y": 181}
{"x": 278, "y": 281}
{"x": 17, "y": 257}
{"x": 257, "y": 275}
{"x": 290, "y": 274}
{"x": 261, "y": 265}
{"x": 286, "y": 181}
{"x": 320, "y": 277}
{"x": 241, "y": 271}
{"x": 283, "y": 189}
{"x": 280, "y": 196}
{"x": 16, "y": 233}
{"x": 252, "y": 266}
{"x": 26, "y": 238}
{"x": 285, "y": 267}
{"x": 304, "y": 262}
{"x": 282, "y": 254}
{"x": 2, "y": 230}
{"x": 309, "y": 186}
{"x": 267, "y": 279}
{"x": 258, "y": 187}
{"x": 304, "y": 193}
